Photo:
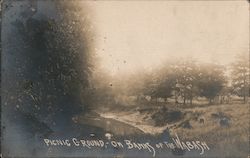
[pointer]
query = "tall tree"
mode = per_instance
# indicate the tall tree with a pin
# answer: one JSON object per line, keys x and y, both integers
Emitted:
{"x": 185, "y": 72}
{"x": 211, "y": 80}
{"x": 164, "y": 82}
{"x": 240, "y": 76}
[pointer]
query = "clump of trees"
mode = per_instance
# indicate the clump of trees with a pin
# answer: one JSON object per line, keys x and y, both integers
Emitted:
{"x": 186, "y": 79}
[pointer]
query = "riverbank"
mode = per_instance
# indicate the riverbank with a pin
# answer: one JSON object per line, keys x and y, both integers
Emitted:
{"x": 218, "y": 125}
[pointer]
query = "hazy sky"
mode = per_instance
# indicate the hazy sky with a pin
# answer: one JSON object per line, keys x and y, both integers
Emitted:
{"x": 141, "y": 34}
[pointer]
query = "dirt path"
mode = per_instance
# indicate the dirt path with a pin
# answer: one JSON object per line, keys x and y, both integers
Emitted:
{"x": 111, "y": 125}
{"x": 135, "y": 120}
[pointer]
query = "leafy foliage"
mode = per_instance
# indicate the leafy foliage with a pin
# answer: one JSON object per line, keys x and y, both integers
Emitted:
{"x": 240, "y": 76}
{"x": 58, "y": 61}
{"x": 211, "y": 80}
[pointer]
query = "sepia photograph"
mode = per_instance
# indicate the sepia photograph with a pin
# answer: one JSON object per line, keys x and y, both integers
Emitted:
{"x": 125, "y": 79}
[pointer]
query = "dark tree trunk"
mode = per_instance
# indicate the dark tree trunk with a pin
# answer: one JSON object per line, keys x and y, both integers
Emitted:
{"x": 176, "y": 101}
{"x": 244, "y": 91}
{"x": 184, "y": 99}
{"x": 191, "y": 97}
{"x": 210, "y": 100}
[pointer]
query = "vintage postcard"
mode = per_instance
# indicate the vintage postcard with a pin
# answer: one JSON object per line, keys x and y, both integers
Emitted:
{"x": 123, "y": 78}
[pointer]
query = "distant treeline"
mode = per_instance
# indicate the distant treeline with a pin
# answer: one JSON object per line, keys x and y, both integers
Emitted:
{"x": 186, "y": 79}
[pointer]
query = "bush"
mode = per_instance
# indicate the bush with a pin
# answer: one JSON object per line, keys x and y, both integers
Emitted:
{"x": 166, "y": 115}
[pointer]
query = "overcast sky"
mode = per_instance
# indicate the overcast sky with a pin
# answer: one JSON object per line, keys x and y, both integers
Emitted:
{"x": 141, "y": 34}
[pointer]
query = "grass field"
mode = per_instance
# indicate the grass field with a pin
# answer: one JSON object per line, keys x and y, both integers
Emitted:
{"x": 231, "y": 140}
{"x": 225, "y": 127}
